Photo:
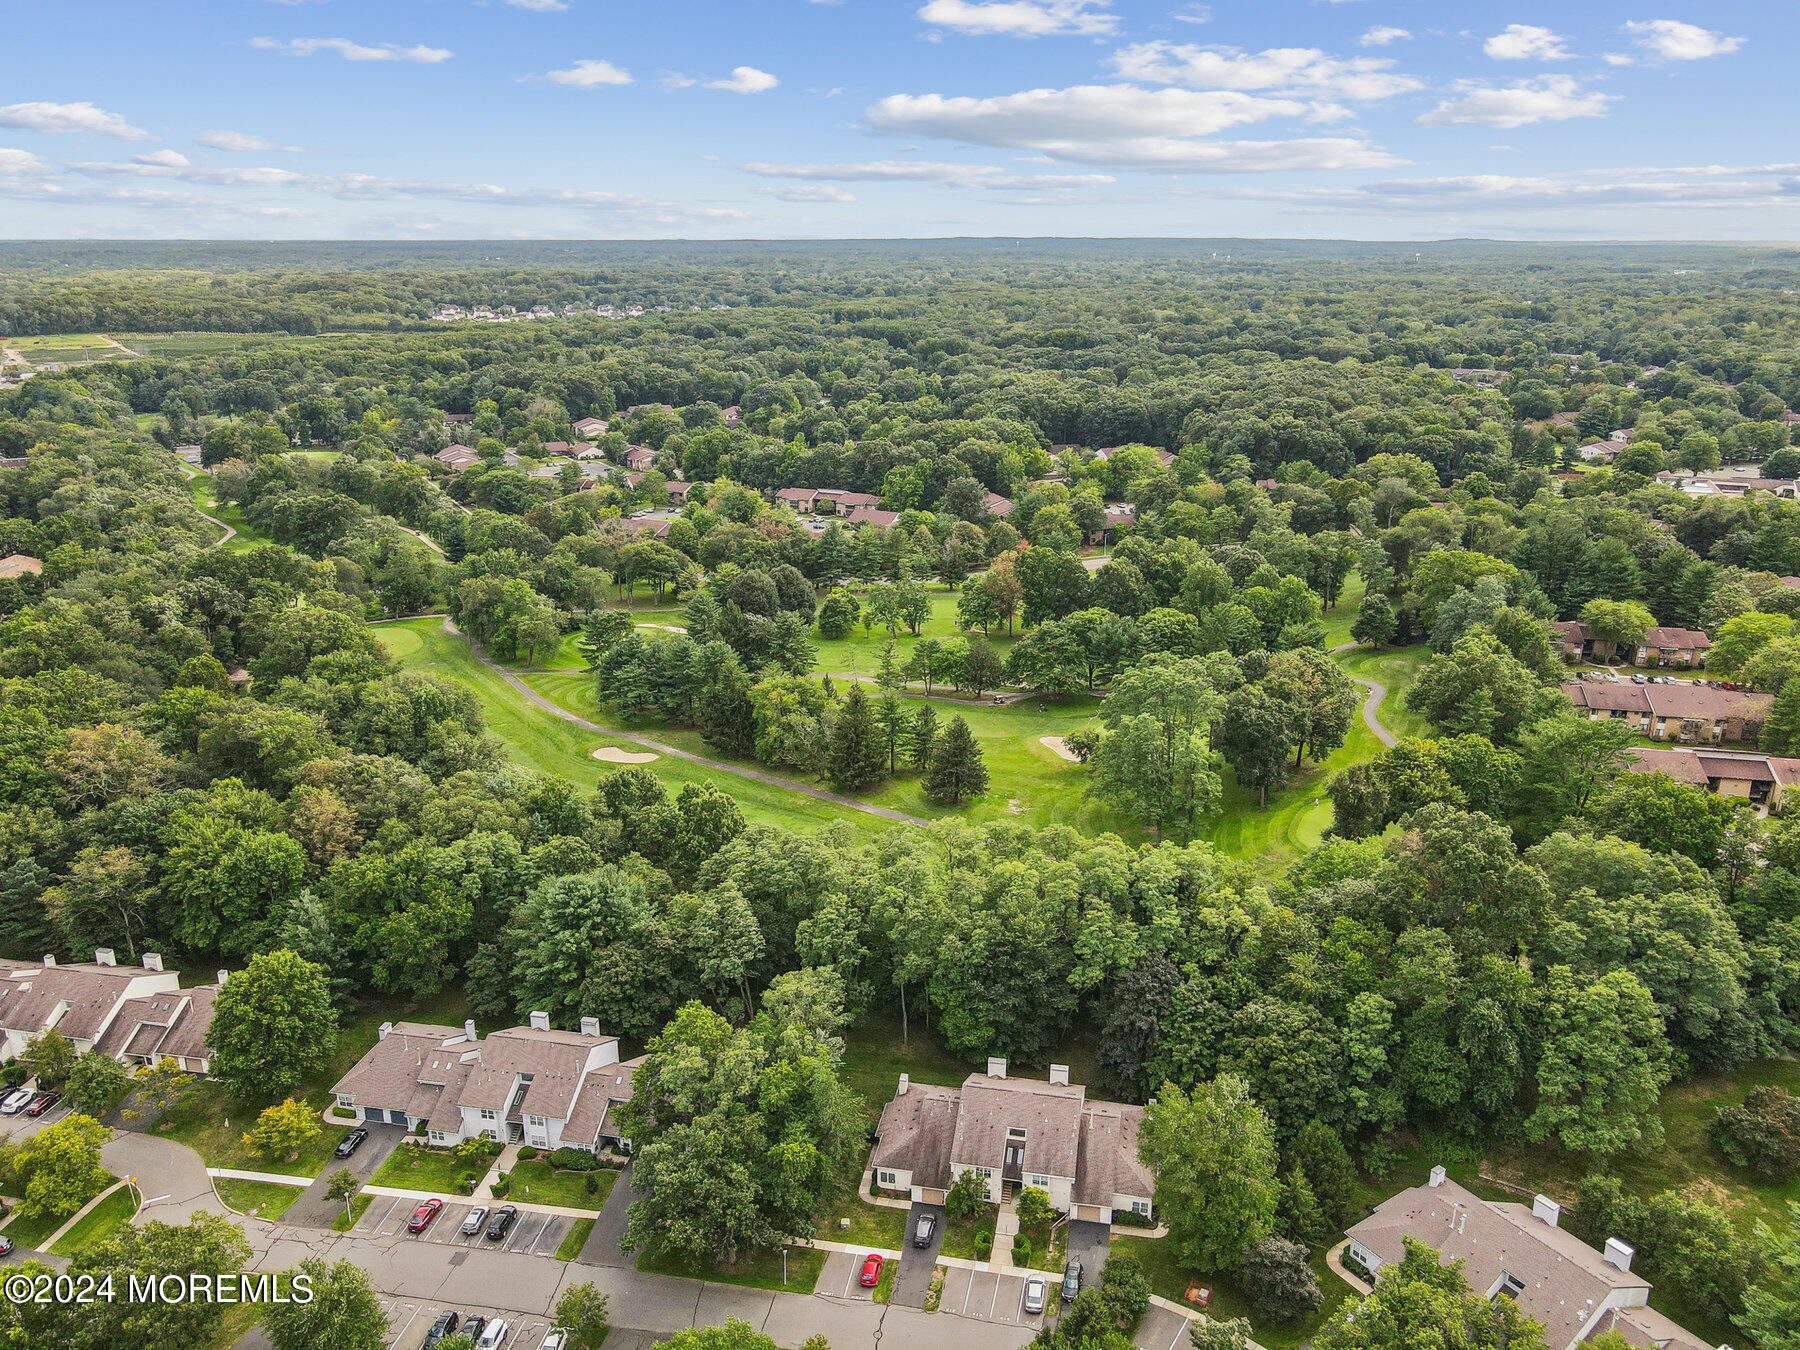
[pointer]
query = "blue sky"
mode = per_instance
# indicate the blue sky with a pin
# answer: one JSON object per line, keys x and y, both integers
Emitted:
{"x": 1385, "y": 119}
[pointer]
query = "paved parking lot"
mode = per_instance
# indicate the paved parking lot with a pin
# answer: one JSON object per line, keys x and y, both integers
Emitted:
{"x": 21, "y": 1126}
{"x": 989, "y": 1296}
{"x": 534, "y": 1233}
{"x": 839, "y": 1278}
{"x": 1162, "y": 1329}
{"x": 409, "y": 1320}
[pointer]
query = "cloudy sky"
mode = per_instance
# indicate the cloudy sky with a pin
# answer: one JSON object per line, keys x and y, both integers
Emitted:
{"x": 1659, "y": 119}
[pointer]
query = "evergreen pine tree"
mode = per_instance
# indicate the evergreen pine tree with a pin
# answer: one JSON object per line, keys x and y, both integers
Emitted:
{"x": 857, "y": 752}
{"x": 896, "y": 726}
{"x": 957, "y": 771}
{"x": 924, "y": 736}
{"x": 1297, "y": 1212}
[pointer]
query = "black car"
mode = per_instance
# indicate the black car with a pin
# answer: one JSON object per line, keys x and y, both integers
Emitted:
{"x": 501, "y": 1222}
{"x": 473, "y": 1326}
{"x": 926, "y": 1229}
{"x": 446, "y": 1323}
{"x": 351, "y": 1142}
{"x": 1071, "y": 1281}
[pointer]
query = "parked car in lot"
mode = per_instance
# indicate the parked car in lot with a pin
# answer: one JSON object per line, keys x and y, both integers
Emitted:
{"x": 16, "y": 1101}
{"x": 556, "y": 1340}
{"x": 926, "y": 1230}
{"x": 472, "y": 1224}
{"x": 1035, "y": 1290}
{"x": 351, "y": 1142}
{"x": 447, "y": 1322}
{"x": 473, "y": 1326}
{"x": 502, "y": 1222}
{"x": 42, "y": 1103}
{"x": 1071, "y": 1281}
{"x": 6, "y": 1245}
{"x": 871, "y": 1271}
{"x": 493, "y": 1336}
{"x": 423, "y": 1215}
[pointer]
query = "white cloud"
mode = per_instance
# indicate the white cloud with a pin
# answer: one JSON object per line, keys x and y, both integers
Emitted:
{"x": 151, "y": 166}
{"x": 1192, "y": 14}
{"x": 1553, "y": 98}
{"x": 540, "y": 6}
{"x": 352, "y": 51}
{"x": 1618, "y": 59}
{"x": 16, "y": 163}
{"x": 239, "y": 141}
{"x": 1288, "y": 69}
{"x": 82, "y": 118}
{"x": 1383, "y": 35}
{"x": 1022, "y": 18}
{"x": 984, "y": 176}
{"x": 815, "y": 192}
{"x": 1673, "y": 40}
{"x": 167, "y": 159}
{"x": 745, "y": 80}
{"x": 1126, "y": 127}
{"x": 589, "y": 74}
{"x": 1526, "y": 42}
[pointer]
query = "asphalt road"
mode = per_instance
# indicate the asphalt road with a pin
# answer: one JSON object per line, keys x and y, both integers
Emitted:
{"x": 316, "y": 1209}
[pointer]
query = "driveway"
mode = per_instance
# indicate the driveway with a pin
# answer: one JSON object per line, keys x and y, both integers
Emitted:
{"x": 315, "y": 1209}
{"x": 602, "y": 1247}
{"x": 1088, "y": 1242}
{"x": 913, "y": 1281}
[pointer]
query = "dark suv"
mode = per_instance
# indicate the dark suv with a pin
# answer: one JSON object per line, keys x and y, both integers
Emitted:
{"x": 501, "y": 1222}
{"x": 444, "y": 1326}
{"x": 1071, "y": 1281}
{"x": 925, "y": 1230}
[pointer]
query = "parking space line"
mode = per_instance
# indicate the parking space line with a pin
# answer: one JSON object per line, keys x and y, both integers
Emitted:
{"x": 849, "y": 1275}
{"x": 995, "y": 1301}
{"x": 1179, "y": 1333}
{"x": 541, "y": 1232}
{"x": 967, "y": 1292}
{"x": 519, "y": 1243}
{"x": 404, "y": 1325}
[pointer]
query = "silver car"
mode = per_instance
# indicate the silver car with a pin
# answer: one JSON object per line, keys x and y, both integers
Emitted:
{"x": 1035, "y": 1291}
{"x": 472, "y": 1224}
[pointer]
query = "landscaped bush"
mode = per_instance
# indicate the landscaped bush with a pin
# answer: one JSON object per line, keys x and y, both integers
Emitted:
{"x": 1132, "y": 1219}
{"x": 984, "y": 1243}
{"x": 502, "y": 1184}
{"x": 965, "y": 1197}
{"x": 1274, "y": 1274}
{"x": 1023, "y": 1252}
{"x": 570, "y": 1159}
{"x": 1763, "y": 1134}
{"x": 528, "y": 1152}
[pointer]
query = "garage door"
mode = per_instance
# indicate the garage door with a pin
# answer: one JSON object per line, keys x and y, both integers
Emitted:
{"x": 397, "y": 1117}
{"x": 931, "y": 1197}
{"x": 1090, "y": 1213}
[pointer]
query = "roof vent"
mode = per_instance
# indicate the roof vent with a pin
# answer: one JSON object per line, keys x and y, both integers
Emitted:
{"x": 1543, "y": 1207}
{"x": 1059, "y": 1074}
{"x": 590, "y": 1026}
{"x": 1619, "y": 1253}
{"x": 996, "y": 1067}
{"x": 905, "y": 1083}
{"x": 1438, "y": 1177}
{"x": 540, "y": 1021}
{"x": 49, "y": 959}
{"x": 469, "y": 1028}
{"x": 152, "y": 961}
{"x": 381, "y": 1032}
{"x": 103, "y": 956}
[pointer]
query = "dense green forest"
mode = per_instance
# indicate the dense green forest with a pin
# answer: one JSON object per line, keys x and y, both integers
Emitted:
{"x": 1507, "y": 946}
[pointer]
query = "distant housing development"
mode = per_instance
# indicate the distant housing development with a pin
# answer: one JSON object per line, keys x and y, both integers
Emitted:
{"x": 1511, "y": 1251}
{"x": 1683, "y": 709}
{"x": 136, "y": 1014}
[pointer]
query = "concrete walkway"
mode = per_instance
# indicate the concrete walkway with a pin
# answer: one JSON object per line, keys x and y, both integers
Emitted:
{"x": 1334, "y": 1259}
{"x": 503, "y": 1163}
{"x": 538, "y": 700}
{"x": 276, "y": 1178}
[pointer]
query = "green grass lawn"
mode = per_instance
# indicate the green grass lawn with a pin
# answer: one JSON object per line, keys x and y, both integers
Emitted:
{"x": 960, "y": 1234}
{"x": 345, "y": 1222}
{"x": 33, "y": 1231}
{"x": 870, "y": 1225}
{"x": 265, "y": 1199}
{"x": 99, "y": 1223}
{"x": 419, "y": 1167}
{"x": 1170, "y": 1278}
{"x": 761, "y": 1270}
{"x": 1397, "y": 668}
{"x": 544, "y": 743}
{"x": 200, "y": 488}
{"x": 538, "y": 1183}
{"x": 884, "y": 1286}
{"x": 212, "y": 1123}
{"x": 574, "y": 1240}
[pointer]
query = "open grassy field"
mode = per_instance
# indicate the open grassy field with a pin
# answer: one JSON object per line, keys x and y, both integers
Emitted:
{"x": 549, "y": 745}
{"x": 1397, "y": 668}
{"x": 42, "y": 342}
{"x": 421, "y": 1167}
{"x": 200, "y": 488}
{"x": 265, "y": 1199}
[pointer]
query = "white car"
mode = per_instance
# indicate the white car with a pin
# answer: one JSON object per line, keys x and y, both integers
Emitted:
{"x": 556, "y": 1340}
{"x": 493, "y": 1335}
{"x": 1035, "y": 1289}
{"x": 16, "y": 1101}
{"x": 472, "y": 1224}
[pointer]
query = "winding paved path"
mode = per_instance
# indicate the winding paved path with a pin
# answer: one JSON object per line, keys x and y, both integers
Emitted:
{"x": 230, "y": 530}
{"x": 1377, "y": 692}
{"x": 533, "y": 697}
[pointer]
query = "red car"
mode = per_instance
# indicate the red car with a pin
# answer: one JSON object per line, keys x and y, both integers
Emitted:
{"x": 423, "y": 1215}
{"x": 42, "y": 1103}
{"x": 871, "y": 1274}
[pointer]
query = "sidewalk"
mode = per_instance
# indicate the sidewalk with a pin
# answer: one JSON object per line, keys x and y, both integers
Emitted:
{"x": 509, "y": 1157}
{"x": 80, "y": 1214}
{"x": 279, "y": 1178}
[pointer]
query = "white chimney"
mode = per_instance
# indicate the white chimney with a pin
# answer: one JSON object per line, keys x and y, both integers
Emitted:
{"x": 1438, "y": 1177}
{"x": 382, "y": 1031}
{"x": 996, "y": 1067}
{"x": 905, "y": 1083}
{"x": 1543, "y": 1207}
{"x": 103, "y": 956}
{"x": 590, "y": 1026}
{"x": 49, "y": 959}
{"x": 1619, "y": 1253}
{"x": 540, "y": 1021}
{"x": 223, "y": 975}
{"x": 152, "y": 961}
{"x": 469, "y": 1028}
{"x": 1059, "y": 1074}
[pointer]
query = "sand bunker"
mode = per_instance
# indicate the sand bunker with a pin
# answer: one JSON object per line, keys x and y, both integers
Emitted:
{"x": 1056, "y": 745}
{"x": 612, "y": 755}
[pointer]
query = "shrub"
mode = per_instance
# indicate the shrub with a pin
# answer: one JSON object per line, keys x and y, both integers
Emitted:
{"x": 1274, "y": 1275}
{"x": 527, "y": 1153}
{"x": 1023, "y": 1251}
{"x": 1124, "y": 1289}
{"x": 1034, "y": 1207}
{"x": 502, "y": 1184}
{"x": 571, "y": 1159}
{"x": 984, "y": 1243}
{"x": 965, "y": 1197}
{"x": 1132, "y": 1219}
{"x": 1763, "y": 1134}
{"x": 591, "y": 1184}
